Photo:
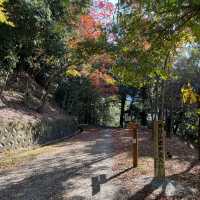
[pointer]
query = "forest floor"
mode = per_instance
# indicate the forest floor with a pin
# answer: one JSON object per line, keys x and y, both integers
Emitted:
{"x": 97, "y": 164}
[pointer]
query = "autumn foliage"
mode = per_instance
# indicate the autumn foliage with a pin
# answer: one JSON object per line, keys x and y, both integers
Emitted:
{"x": 100, "y": 16}
{"x": 103, "y": 82}
{"x": 103, "y": 11}
{"x": 100, "y": 78}
{"x": 89, "y": 28}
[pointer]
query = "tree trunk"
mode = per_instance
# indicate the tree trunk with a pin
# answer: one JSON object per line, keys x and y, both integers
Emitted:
{"x": 64, "y": 101}
{"x": 177, "y": 122}
{"x": 26, "y": 94}
{"x": 48, "y": 85}
{"x": 161, "y": 110}
{"x": 43, "y": 101}
{"x": 123, "y": 101}
{"x": 199, "y": 138}
{"x": 171, "y": 115}
{"x": 162, "y": 106}
{"x": 168, "y": 126}
{"x": 2, "y": 88}
{"x": 156, "y": 100}
{"x": 152, "y": 105}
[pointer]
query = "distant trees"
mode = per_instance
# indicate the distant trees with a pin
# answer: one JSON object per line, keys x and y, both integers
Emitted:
{"x": 77, "y": 97}
{"x": 34, "y": 37}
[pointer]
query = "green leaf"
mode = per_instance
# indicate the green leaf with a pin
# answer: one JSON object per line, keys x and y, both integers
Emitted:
{"x": 198, "y": 111}
{"x": 66, "y": 1}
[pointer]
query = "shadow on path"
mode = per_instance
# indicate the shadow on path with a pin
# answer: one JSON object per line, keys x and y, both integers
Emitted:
{"x": 47, "y": 185}
{"x": 155, "y": 184}
{"x": 54, "y": 177}
{"x": 97, "y": 181}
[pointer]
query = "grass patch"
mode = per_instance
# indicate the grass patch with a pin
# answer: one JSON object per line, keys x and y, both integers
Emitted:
{"x": 12, "y": 158}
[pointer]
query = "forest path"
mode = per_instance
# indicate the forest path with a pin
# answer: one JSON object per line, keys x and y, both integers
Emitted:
{"x": 96, "y": 165}
{"x": 71, "y": 169}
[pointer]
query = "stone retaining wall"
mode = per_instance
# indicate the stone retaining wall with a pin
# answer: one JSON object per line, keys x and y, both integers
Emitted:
{"x": 20, "y": 134}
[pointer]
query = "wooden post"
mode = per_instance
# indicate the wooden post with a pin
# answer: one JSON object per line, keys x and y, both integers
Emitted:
{"x": 135, "y": 146}
{"x": 199, "y": 138}
{"x": 133, "y": 129}
{"x": 159, "y": 150}
{"x": 152, "y": 130}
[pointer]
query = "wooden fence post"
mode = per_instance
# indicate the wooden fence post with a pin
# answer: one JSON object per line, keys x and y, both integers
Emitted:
{"x": 133, "y": 128}
{"x": 159, "y": 150}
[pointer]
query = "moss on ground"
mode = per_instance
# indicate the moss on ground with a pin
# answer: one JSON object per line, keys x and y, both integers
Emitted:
{"x": 11, "y": 159}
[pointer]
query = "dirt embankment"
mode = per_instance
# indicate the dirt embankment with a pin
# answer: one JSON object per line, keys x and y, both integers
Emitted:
{"x": 21, "y": 126}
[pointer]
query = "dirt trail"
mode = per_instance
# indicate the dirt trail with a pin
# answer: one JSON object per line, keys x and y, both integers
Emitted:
{"x": 96, "y": 165}
{"x": 65, "y": 172}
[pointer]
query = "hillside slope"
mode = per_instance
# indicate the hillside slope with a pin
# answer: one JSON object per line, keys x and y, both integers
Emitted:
{"x": 20, "y": 125}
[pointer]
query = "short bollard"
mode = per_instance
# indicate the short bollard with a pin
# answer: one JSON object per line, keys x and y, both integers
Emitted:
{"x": 133, "y": 127}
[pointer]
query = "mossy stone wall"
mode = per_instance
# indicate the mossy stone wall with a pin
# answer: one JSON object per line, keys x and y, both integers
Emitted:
{"x": 19, "y": 134}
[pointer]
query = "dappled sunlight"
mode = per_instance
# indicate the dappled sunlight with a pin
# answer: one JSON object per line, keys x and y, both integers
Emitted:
{"x": 71, "y": 164}
{"x": 77, "y": 161}
{"x": 99, "y": 100}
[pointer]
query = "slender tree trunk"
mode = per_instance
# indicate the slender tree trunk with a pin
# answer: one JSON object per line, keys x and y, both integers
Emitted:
{"x": 162, "y": 107}
{"x": 151, "y": 104}
{"x": 2, "y": 88}
{"x": 171, "y": 107}
{"x": 26, "y": 95}
{"x": 156, "y": 101}
{"x": 123, "y": 101}
{"x": 43, "y": 101}
{"x": 199, "y": 138}
{"x": 199, "y": 133}
{"x": 169, "y": 124}
{"x": 48, "y": 84}
{"x": 64, "y": 101}
{"x": 159, "y": 137}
